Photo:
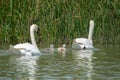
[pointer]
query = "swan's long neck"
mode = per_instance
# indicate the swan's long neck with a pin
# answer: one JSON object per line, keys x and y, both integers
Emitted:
{"x": 91, "y": 28}
{"x": 32, "y": 37}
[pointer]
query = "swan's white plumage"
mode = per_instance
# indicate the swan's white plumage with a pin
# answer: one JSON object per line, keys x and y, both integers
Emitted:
{"x": 27, "y": 48}
{"x": 85, "y": 43}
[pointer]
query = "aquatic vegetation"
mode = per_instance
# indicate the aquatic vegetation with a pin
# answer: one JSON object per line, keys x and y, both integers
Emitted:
{"x": 60, "y": 20}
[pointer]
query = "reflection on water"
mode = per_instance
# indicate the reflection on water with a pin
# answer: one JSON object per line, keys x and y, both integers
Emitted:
{"x": 102, "y": 64}
{"x": 84, "y": 60}
{"x": 24, "y": 65}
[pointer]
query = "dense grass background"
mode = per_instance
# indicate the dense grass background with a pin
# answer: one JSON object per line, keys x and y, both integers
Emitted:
{"x": 60, "y": 21}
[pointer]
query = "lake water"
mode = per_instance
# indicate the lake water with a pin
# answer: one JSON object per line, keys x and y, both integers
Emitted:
{"x": 102, "y": 63}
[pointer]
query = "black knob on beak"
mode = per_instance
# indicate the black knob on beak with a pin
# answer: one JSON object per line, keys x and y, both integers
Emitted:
{"x": 84, "y": 47}
{"x": 38, "y": 31}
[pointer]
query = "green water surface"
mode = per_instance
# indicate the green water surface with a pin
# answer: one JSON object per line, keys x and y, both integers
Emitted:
{"x": 102, "y": 63}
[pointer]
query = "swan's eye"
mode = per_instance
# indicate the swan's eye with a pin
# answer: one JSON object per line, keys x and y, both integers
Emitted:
{"x": 36, "y": 29}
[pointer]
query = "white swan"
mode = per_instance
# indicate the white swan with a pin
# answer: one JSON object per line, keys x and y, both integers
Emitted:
{"x": 84, "y": 43}
{"x": 26, "y": 48}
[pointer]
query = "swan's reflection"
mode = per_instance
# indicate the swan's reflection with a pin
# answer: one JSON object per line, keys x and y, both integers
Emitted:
{"x": 84, "y": 60}
{"x": 25, "y": 66}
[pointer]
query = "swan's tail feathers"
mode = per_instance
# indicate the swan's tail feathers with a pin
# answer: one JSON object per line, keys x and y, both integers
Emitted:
{"x": 13, "y": 51}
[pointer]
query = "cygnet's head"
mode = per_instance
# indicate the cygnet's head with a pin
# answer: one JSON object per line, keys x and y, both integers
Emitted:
{"x": 64, "y": 45}
{"x": 52, "y": 46}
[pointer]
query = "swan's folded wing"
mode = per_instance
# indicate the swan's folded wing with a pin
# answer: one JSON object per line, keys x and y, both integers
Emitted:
{"x": 26, "y": 46}
{"x": 13, "y": 51}
{"x": 83, "y": 41}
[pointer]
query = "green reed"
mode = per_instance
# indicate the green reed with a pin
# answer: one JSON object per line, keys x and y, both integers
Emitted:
{"x": 60, "y": 21}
